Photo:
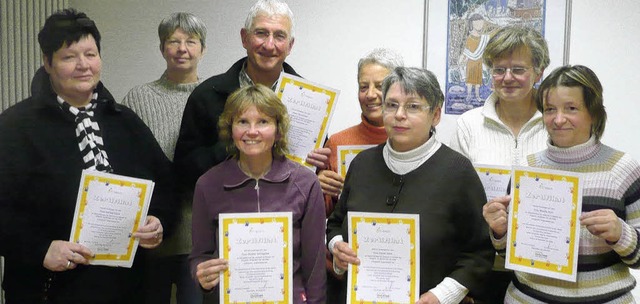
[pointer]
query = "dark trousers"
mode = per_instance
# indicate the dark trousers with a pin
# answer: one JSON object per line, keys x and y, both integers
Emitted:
{"x": 336, "y": 290}
{"x": 495, "y": 287}
{"x": 162, "y": 273}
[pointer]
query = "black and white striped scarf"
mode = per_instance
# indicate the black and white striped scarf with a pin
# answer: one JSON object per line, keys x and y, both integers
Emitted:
{"x": 88, "y": 135}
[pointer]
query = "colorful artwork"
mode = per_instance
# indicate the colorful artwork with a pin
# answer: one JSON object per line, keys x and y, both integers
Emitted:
{"x": 470, "y": 25}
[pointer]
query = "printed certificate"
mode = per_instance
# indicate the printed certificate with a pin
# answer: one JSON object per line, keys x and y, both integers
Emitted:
{"x": 310, "y": 108}
{"x": 495, "y": 179}
{"x": 346, "y": 154}
{"x": 109, "y": 209}
{"x": 259, "y": 251}
{"x": 544, "y": 228}
{"x": 388, "y": 246}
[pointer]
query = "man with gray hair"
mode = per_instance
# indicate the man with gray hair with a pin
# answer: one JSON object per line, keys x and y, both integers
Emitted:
{"x": 268, "y": 37}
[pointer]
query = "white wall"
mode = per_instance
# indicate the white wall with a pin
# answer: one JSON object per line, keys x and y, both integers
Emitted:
{"x": 332, "y": 34}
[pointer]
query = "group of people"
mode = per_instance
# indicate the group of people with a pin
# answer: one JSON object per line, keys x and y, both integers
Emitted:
{"x": 218, "y": 146}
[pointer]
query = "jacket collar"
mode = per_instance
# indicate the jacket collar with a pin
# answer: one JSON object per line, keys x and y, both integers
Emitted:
{"x": 489, "y": 112}
{"x": 45, "y": 97}
{"x": 229, "y": 81}
{"x": 280, "y": 172}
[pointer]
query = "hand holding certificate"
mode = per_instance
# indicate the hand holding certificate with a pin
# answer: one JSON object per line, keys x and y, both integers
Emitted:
{"x": 310, "y": 108}
{"x": 388, "y": 247}
{"x": 543, "y": 231}
{"x": 109, "y": 209}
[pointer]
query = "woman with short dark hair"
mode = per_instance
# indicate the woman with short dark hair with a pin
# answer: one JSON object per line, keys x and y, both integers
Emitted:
{"x": 69, "y": 123}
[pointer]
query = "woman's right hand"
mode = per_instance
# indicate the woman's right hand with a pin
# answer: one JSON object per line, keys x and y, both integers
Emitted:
{"x": 330, "y": 182}
{"x": 208, "y": 272}
{"x": 64, "y": 255}
{"x": 343, "y": 255}
{"x": 319, "y": 158}
{"x": 496, "y": 214}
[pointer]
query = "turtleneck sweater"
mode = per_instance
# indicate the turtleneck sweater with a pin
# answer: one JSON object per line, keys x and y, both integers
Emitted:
{"x": 611, "y": 181}
{"x": 404, "y": 162}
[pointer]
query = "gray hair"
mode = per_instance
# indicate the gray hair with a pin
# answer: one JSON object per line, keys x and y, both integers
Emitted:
{"x": 415, "y": 81}
{"x": 270, "y": 8}
{"x": 381, "y": 56}
{"x": 187, "y": 22}
{"x": 509, "y": 38}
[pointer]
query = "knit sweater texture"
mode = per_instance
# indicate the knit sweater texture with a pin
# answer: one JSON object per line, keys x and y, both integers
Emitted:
{"x": 611, "y": 181}
{"x": 485, "y": 139}
{"x": 160, "y": 105}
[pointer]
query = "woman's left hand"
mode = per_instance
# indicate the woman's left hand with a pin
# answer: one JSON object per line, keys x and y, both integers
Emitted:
{"x": 603, "y": 223}
{"x": 428, "y": 298}
{"x": 150, "y": 234}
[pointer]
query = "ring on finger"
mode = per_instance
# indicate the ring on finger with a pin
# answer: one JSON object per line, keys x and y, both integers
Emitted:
{"x": 68, "y": 264}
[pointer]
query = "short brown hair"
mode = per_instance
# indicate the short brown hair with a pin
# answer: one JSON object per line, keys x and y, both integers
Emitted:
{"x": 578, "y": 76}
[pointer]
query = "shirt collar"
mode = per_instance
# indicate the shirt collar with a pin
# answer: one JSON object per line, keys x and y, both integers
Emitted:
{"x": 245, "y": 80}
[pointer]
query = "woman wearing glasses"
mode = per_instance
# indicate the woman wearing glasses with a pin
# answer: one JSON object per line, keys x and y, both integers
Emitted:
{"x": 414, "y": 173}
{"x": 508, "y": 127}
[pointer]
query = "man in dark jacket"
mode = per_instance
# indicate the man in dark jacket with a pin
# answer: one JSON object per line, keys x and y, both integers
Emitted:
{"x": 268, "y": 37}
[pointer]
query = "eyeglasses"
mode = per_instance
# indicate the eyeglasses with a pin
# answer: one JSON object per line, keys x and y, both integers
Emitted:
{"x": 515, "y": 71}
{"x": 176, "y": 43}
{"x": 410, "y": 108}
{"x": 278, "y": 36}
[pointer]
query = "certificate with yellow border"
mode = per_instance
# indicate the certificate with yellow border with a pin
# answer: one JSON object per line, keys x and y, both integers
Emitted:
{"x": 346, "y": 154}
{"x": 310, "y": 106}
{"x": 258, "y": 247}
{"x": 109, "y": 209}
{"x": 495, "y": 179}
{"x": 544, "y": 229}
{"x": 388, "y": 246}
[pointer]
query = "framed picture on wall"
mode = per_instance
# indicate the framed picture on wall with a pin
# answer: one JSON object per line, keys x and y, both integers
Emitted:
{"x": 457, "y": 31}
